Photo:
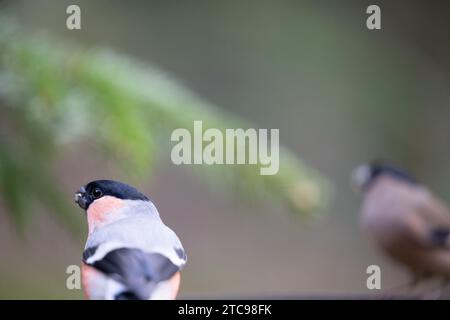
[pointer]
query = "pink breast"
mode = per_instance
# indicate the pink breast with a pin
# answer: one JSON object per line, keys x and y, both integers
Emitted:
{"x": 102, "y": 210}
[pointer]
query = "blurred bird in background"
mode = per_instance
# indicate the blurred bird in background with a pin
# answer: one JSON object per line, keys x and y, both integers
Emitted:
{"x": 405, "y": 220}
{"x": 130, "y": 253}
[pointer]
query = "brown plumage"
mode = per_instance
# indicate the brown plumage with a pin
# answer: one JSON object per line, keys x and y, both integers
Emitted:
{"x": 405, "y": 220}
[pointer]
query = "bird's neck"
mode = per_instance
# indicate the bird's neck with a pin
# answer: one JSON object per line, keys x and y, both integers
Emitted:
{"x": 104, "y": 211}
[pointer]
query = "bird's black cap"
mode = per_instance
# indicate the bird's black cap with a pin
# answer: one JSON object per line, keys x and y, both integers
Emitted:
{"x": 99, "y": 188}
{"x": 379, "y": 168}
{"x": 364, "y": 175}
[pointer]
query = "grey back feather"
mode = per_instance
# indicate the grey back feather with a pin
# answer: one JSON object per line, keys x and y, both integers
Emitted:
{"x": 140, "y": 227}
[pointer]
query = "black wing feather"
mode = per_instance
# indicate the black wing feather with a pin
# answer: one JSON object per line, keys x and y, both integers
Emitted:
{"x": 137, "y": 270}
{"x": 440, "y": 237}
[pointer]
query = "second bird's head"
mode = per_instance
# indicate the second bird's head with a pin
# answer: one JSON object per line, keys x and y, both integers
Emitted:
{"x": 367, "y": 174}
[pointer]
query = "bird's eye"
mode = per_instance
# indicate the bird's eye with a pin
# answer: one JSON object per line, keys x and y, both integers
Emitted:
{"x": 97, "y": 193}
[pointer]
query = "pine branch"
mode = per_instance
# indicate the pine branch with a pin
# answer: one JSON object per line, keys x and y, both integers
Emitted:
{"x": 55, "y": 93}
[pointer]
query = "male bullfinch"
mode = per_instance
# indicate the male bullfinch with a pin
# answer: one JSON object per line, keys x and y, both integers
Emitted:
{"x": 130, "y": 253}
{"x": 405, "y": 220}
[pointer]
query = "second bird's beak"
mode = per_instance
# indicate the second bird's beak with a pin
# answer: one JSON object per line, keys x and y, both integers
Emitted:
{"x": 360, "y": 177}
{"x": 80, "y": 198}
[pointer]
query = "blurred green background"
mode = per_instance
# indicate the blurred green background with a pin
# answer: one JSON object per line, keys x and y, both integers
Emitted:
{"x": 339, "y": 93}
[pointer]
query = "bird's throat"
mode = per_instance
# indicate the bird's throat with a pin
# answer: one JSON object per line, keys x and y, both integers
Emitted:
{"x": 103, "y": 211}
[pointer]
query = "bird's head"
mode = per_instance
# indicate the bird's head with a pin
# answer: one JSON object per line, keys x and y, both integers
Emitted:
{"x": 99, "y": 190}
{"x": 365, "y": 175}
{"x": 106, "y": 201}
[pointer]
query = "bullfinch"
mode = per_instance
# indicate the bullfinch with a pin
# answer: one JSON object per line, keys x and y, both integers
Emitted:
{"x": 405, "y": 220}
{"x": 129, "y": 253}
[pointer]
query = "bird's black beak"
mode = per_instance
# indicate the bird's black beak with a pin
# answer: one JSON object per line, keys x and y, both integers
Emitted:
{"x": 80, "y": 198}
